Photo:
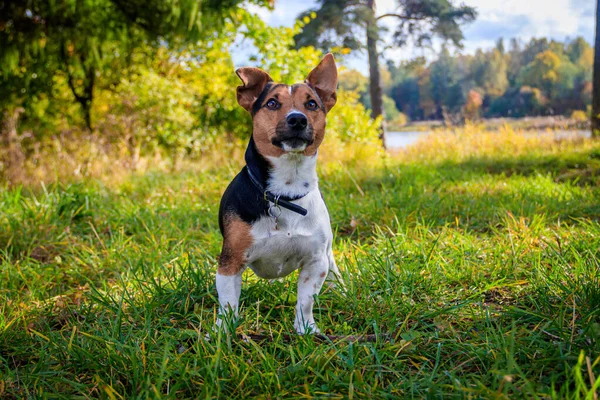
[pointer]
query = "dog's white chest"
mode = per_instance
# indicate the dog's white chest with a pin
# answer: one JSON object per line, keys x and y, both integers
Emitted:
{"x": 282, "y": 246}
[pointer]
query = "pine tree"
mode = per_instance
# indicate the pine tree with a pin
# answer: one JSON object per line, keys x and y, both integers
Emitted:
{"x": 340, "y": 22}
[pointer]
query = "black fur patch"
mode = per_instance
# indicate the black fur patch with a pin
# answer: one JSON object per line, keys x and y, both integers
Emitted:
{"x": 242, "y": 197}
{"x": 261, "y": 97}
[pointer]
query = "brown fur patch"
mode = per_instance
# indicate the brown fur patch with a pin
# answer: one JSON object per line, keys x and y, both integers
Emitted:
{"x": 254, "y": 81}
{"x": 237, "y": 240}
{"x": 324, "y": 79}
{"x": 323, "y": 274}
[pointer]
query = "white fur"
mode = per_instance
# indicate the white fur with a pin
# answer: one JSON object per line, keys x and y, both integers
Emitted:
{"x": 292, "y": 111}
{"x": 290, "y": 173}
{"x": 229, "y": 289}
{"x": 290, "y": 149}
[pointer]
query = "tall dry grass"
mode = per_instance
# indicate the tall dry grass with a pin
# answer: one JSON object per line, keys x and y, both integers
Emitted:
{"x": 74, "y": 156}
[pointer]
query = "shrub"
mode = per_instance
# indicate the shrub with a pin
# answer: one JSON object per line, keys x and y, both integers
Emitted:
{"x": 398, "y": 122}
{"x": 352, "y": 136}
{"x": 580, "y": 115}
{"x": 389, "y": 106}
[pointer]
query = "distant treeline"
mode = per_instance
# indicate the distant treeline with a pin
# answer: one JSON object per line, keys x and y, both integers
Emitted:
{"x": 542, "y": 77}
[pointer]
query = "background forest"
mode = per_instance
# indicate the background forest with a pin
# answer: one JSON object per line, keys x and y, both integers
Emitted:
{"x": 541, "y": 77}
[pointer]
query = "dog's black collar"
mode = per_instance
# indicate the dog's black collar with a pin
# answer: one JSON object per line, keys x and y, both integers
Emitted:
{"x": 282, "y": 201}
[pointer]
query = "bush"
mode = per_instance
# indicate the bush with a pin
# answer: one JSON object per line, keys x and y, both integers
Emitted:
{"x": 398, "y": 122}
{"x": 177, "y": 105}
{"x": 389, "y": 106}
{"x": 580, "y": 115}
{"x": 349, "y": 124}
{"x": 518, "y": 102}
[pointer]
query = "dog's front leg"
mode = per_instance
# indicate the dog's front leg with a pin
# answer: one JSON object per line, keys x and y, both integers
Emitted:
{"x": 237, "y": 239}
{"x": 311, "y": 279}
{"x": 229, "y": 288}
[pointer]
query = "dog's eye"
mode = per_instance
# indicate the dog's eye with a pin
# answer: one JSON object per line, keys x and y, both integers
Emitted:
{"x": 272, "y": 104}
{"x": 311, "y": 105}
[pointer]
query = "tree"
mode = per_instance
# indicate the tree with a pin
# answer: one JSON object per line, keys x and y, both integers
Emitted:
{"x": 353, "y": 81}
{"x": 405, "y": 86}
{"x": 489, "y": 72}
{"x": 577, "y": 49}
{"x": 533, "y": 48}
{"x": 596, "y": 80}
{"x": 338, "y": 23}
{"x": 85, "y": 40}
{"x": 543, "y": 72}
{"x": 472, "y": 105}
{"x": 446, "y": 87}
{"x": 515, "y": 61}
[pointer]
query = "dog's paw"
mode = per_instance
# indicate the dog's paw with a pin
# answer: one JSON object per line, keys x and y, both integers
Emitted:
{"x": 307, "y": 329}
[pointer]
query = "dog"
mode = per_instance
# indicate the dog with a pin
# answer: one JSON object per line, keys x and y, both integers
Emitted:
{"x": 272, "y": 215}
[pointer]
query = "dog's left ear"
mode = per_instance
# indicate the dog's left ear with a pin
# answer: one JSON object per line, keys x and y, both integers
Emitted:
{"x": 254, "y": 80}
{"x": 324, "y": 80}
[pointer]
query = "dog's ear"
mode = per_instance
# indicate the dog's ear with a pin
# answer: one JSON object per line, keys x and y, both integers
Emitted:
{"x": 324, "y": 80}
{"x": 254, "y": 80}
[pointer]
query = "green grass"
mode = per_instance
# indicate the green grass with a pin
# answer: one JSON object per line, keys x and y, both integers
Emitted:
{"x": 484, "y": 273}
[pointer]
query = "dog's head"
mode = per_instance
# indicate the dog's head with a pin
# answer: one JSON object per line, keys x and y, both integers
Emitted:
{"x": 288, "y": 118}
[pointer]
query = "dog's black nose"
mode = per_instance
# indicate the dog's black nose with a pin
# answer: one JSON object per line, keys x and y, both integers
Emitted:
{"x": 297, "y": 121}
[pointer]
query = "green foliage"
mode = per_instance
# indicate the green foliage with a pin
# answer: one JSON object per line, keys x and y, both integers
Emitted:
{"x": 167, "y": 101}
{"x": 580, "y": 115}
{"x": 391, "y": 112}
{"x": 169, "y": 96}
{"x": 445, "y": 85}
{"x": 542, "y": 72}
{"x": 397, "y": 122}
{"x": 519, "y": 102}
{"x": 353, "y": 81}
{"x": 490, "y": 72}
{"x": 279, "y": 56}
{"x": 350, "y": 122}
{"x": 92, "y": 43}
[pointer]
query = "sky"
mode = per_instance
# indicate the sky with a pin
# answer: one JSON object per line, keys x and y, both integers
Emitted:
{"x": 557, "y": 19}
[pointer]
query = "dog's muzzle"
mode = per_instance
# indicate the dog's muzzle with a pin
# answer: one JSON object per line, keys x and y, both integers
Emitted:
{"x": 294, "y": 133}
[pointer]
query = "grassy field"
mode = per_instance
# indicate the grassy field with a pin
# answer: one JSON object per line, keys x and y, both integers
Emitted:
{"x": 475, "y": 258}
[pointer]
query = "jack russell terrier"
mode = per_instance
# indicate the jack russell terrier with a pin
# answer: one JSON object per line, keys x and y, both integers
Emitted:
{"x": 272, "y": 215}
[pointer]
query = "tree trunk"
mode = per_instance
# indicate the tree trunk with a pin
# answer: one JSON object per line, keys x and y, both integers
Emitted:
{"x": 86, "y": 95}
{"x": 374, "y": 76}
{"x": 596, "y": 80}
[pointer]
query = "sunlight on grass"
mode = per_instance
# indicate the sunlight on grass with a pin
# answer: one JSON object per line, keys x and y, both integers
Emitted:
{"x": 474, "y": 141}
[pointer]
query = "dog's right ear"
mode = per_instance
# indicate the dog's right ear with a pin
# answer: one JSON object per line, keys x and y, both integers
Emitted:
{"x": 254, "y": 80}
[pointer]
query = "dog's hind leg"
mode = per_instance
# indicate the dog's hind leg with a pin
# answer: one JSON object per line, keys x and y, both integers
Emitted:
{"x": 334, "y": 277}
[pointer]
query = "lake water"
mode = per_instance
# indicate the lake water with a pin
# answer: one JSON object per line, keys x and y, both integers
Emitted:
{"x": 398, "y": 140}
